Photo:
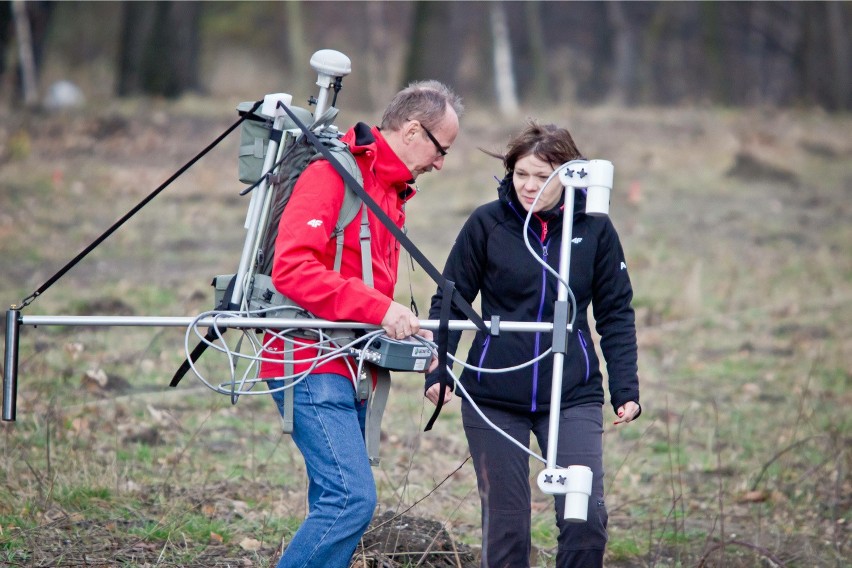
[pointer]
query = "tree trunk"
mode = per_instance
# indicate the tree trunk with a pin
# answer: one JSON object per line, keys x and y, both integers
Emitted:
{"x": 504, "y": 76}
{"x": 159, "y": 48}
{"x": 378, "y": 54}
{"x": 25, "y": 53}
{"x": 435, "y": 33}
{"x": 297, "y": 48}
{"x": 541, "y": 91}
{"x": 838, "y": 39}
{"x": 625, "y": 54}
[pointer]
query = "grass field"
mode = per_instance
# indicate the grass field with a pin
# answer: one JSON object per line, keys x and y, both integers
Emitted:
{"x": 737, "y": 227}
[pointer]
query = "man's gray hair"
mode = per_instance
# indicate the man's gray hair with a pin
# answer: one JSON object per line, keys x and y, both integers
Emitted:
{"x": 425, "y": 101}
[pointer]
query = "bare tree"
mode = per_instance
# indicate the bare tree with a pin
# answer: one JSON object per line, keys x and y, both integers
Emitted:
{"x": 378, "y": 50}
{"x": 159, "y": 48}
{"x": 23, "y": 29}
{"x": 297, "y": 47}
{"x": 540, "y": 83}
{"x": 504, "y": 75}
{"x": 625, "y": 54}
{"x": 435, "y": 34}
{"x": 25, "y": 52}
{"x": 838, "y": 38}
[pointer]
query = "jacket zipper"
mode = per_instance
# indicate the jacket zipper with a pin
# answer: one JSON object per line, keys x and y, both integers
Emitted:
{"x": 537, "y": 350}
{"x": 482, "y": 357}
{"x": 585, "y": 354}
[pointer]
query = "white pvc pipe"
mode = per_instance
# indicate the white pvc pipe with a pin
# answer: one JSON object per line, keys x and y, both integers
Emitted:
{"x": 259, "y": 323}
{"x": 558, "y": 356}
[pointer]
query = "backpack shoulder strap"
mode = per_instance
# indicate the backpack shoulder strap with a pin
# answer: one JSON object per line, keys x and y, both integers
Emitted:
{"x": 348, "y": 211}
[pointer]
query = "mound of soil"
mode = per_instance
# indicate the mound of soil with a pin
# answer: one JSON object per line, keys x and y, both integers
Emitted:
{"x": 407, "y": 541}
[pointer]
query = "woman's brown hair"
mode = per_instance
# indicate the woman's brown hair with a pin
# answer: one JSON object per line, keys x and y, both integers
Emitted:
{"x": 547, "y": 142}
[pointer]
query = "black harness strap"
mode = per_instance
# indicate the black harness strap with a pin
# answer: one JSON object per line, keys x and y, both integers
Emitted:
{"x": 201, "y": 347}
{"x": 131, "y": 213}
{"x": 449, "y": 288}
{"x": 403, "y": 239}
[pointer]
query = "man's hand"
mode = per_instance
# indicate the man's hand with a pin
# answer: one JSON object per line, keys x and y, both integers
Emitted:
{"x": 400, "y": 322}
{"x": 434, "y": 391}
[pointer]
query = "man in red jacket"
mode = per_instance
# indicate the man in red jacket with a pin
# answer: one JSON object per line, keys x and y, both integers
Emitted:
{"x": 418, "y": 127}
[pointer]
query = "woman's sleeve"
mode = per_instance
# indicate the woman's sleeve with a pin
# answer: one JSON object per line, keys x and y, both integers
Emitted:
{"x": 615, "y": 321}
{"x": 464, "y": 267}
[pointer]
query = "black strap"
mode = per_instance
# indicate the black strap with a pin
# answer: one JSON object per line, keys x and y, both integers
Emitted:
{"x": 412, "y": 249}
{"x": 449, "y": 288}
{"x": 224, "y": 304}
{"x": 193, "y": 357}
{"x": 130, "y": 213}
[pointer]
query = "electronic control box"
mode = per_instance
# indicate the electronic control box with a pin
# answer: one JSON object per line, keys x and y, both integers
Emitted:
{"x": 397, "y": 354}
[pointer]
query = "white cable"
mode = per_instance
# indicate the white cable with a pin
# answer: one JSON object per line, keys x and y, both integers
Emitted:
{"x": 457, "y": 381}
{"x": 504, "y": 369}
{"x": 327, "y": 347}
{"x": 487, "y": 421}
{"x": 540, "y": 260}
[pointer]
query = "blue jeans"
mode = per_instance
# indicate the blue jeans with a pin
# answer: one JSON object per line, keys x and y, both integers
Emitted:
{"x": 328, "y": 428}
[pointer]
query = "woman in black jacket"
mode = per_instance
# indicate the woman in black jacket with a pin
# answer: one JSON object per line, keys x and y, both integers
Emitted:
{"x": 490, "y": 258}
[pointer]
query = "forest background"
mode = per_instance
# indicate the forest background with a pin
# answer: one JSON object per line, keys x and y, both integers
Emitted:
{"x": 728, "y": 124}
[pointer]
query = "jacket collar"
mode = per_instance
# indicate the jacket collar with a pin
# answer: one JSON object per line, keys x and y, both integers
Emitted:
{"x": 385, "y": 164}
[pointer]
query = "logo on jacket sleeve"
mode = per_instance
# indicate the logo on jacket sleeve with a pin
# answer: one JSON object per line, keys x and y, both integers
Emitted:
{"x": 315, "y": 223}
{"x": 623, "y": 265}
{"x": 577, "y": 240}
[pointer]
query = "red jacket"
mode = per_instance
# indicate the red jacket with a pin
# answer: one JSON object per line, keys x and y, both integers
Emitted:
{"x": 303, "y": 268}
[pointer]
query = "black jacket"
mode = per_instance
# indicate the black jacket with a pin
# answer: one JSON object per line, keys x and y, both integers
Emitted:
{"x": 490, "y": 258}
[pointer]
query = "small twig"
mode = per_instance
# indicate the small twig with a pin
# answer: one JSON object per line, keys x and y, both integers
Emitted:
{"x": 183, "y": 451}
{"x": 838, "y": 492}
{"x": 719, "y": 475}
{"x": 363, "y": 555}
{"x": 37, "y": 477}
{"x": 453, "y": 544}
{"x": 414, "y": 553}
{"x": 162, "y": 551}
{"x": 760, "y": 550}
{"x": 429, "y": 494}
{"x": 777, "y": 455}
{"x": 635, "y": 445}
{"x": 429, "y": 548}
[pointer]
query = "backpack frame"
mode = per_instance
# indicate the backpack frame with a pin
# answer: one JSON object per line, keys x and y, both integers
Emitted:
{"x": 296, "y": 155}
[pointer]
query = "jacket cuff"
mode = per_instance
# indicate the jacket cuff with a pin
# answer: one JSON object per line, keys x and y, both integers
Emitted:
{"x": 434, "y": 378}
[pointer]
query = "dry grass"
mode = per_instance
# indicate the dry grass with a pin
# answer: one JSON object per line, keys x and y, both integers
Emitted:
{"x": 744, "y": 309}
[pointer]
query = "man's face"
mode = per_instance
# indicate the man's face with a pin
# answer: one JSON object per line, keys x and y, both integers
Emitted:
{"x": 426, "y": 148}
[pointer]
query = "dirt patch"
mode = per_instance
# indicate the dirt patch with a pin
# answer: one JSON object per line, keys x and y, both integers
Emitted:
{"x": 394, "y": 540}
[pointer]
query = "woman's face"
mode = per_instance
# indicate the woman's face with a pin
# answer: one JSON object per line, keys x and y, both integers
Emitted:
{"x": 530, "y": 174}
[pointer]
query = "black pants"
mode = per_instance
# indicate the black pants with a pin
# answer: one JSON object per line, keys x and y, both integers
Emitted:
{"x": 503, "y": 477}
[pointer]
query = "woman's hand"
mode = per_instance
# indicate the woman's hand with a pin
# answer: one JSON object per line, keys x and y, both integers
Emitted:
{"x": 627, "y": 412}
{"x": 433, "y": 392}
{"x": 427, "y": 335}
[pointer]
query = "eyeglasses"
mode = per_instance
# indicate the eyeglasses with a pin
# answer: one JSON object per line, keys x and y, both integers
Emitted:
{"x": 434, "y": 140}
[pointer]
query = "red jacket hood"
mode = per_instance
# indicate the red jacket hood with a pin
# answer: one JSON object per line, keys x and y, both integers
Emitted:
{"x": 390, "y": 170}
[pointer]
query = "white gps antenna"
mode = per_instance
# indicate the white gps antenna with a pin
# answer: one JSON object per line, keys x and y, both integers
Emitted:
{"x": 594, "y": 175}
{"x": 330, "y": 66}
